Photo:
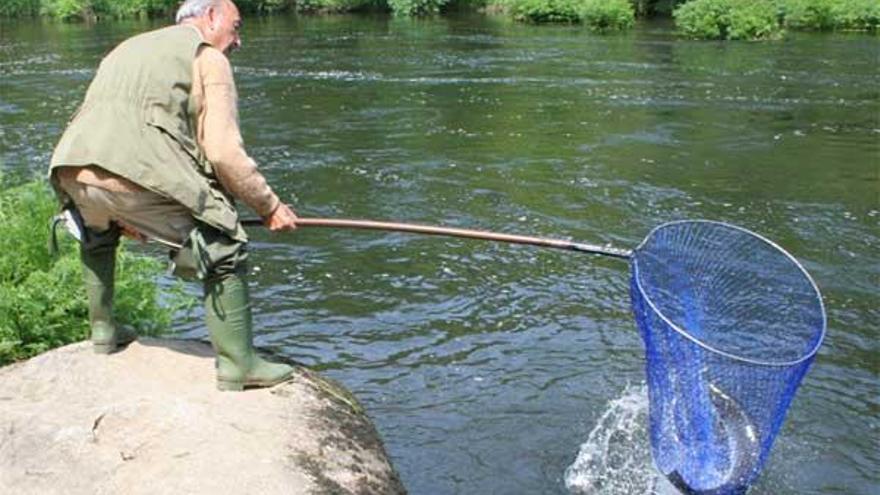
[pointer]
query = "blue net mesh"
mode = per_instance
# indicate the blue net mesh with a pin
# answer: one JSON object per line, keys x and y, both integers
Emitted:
{"x": 730, "y": 323}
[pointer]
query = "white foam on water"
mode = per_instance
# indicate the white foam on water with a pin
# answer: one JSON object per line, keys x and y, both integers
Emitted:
{"x": 616, "y": 458}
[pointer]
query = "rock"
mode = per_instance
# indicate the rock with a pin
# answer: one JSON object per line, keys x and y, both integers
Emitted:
{"x": 149, "y": 419}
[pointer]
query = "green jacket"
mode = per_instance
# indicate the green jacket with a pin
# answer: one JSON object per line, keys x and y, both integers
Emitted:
{"x": 138, "y": 121}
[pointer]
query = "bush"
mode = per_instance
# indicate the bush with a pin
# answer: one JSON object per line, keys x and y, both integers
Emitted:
{"x": 606, "y": 15}
{"x": 96, "y": 9}
{"x": 861, "y": 15}
{"x": 336, "y": 6}
{"x": 19, "y": 8}
{"x": 416, "y": 8}
{"x": 754, "y": 19}
{"x": 540, "y": 11}
{"x": 68, "y": 9}
{"x": 134, "y": 8}
{"x": 42, "y": 301}
{"x": 809, "y": 14}
{"x": 729, "y": 19}
{"x": 599, "y": 15}
{"x": 265, "y": 6}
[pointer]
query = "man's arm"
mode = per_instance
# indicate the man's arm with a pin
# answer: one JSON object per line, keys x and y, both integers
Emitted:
{"x": 220, "y": 138}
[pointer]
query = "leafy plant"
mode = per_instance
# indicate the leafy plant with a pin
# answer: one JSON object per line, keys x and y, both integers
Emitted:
{"x": 729, "y": 19}
{"x": 265, "y": 6}
{"x": 416, "y": 8}
{"x": 599, "y": 15}
{"x": 42, "y": 302}
{"x": 541, "y": 11}
{"x": 756, "y": 19}
{"x": 19, "y": 8}
{"x": 809, "y": 14}
{"x": 68, "y": 9}
{"x": 335, "y": 6}
{"x": 606, "y": 15}
{"x": 96, "y": 9}
{"x": 862, "y": 15}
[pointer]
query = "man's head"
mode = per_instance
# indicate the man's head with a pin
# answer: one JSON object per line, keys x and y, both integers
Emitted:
{"x": 218, "y": 21}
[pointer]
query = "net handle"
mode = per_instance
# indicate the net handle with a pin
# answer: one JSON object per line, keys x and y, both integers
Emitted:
{"x": 344, "y": 223}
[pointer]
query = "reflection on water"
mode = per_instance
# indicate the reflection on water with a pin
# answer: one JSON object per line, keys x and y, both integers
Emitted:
{"x": 485, "y": 366}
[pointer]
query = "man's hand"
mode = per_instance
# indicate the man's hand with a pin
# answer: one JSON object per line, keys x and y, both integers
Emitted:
{"x": 283, "y": 218}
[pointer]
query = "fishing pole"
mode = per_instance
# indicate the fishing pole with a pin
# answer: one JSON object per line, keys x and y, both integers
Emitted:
{"x": 344, "y": 223}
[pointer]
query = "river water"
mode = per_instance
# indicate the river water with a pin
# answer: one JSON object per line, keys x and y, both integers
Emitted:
{"x": 489, "y": 368}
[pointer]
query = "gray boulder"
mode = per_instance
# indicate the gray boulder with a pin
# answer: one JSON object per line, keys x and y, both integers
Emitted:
{"x": 149, "y": 420}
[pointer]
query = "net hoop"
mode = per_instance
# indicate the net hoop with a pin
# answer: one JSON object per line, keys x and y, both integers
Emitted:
{"x": 685, "y": 334}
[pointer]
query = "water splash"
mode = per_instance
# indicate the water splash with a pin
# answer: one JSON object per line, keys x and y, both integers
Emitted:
{"x": 616, "y": 458}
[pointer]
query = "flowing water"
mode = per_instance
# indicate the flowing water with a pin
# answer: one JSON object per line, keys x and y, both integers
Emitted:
{"x": 507, "y": 369}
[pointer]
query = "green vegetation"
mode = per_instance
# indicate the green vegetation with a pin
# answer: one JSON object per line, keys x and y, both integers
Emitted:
{"x": 543, "y": 10}
{"x": 859, "y": 15}
{"x": 42, "y": 301}
{"x": 95, "y": 9}
{"x": 19, "y": 8}
{"x": 99, "y": 9}
{"x": 416, "y": 8}
{"x": 729, "y": 19}
{"x": 762, "y": 19}
{"x": 809, "y": 14}
{"x": 607, "y": 15}
{"x": 336, "y": 6}
{"x": 599, "y": 15}
{"x": 701, "y": 19}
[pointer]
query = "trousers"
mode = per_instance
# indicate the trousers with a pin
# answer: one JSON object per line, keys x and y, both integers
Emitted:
{"x": 198, "y": 250}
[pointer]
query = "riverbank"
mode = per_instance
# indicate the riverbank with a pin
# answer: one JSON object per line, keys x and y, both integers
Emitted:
{"x": 699, "y": 19}
{"x": 149, "y": 419}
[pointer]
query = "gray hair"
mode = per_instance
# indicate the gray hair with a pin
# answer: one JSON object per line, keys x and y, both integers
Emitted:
{"x": 194, "y": 8}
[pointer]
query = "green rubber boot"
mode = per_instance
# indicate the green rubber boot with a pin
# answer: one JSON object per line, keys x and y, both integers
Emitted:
{"x": 229, "y": 321}
{"x": 99, "y": 265}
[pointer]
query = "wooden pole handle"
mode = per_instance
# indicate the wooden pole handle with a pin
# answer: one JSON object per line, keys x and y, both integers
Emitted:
{"x": 344, "y": 223}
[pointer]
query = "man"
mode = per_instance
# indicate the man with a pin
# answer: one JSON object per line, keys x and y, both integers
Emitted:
{"x": 155, "y": 151}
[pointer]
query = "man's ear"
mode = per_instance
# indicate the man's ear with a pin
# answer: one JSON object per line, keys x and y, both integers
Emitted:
{"x": 213, "y": 15}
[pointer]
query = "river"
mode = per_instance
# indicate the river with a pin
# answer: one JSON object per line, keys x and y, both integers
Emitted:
{"x": 486, "y": 367}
